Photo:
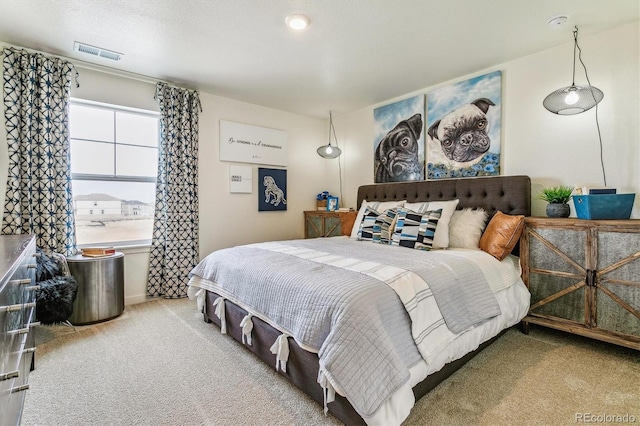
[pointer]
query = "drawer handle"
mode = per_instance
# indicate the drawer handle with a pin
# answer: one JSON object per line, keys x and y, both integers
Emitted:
{"x": 17, "y": 307}
{"x": 9, "y": 375}
{"x": 18, "y": 331}
{"x": 29, "y": 351}
{"x": 23, "y": 330}
{"x": 21, "y": 282}
{"x": 32, "y": 288}
{"x": 32, "y": 266}
{"x": 20, "y": 388}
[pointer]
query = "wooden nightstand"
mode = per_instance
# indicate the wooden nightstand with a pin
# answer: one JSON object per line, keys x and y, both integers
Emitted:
{"x": 584, "y": 277}
{"x": 319, "y": 223}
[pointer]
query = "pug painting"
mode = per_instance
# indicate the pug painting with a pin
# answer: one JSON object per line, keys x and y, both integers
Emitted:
{"x": 396, "y": 157}
{"x": 464, "y": 133}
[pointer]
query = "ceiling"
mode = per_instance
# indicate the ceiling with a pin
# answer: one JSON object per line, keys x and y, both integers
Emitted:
{"x": 355, "y": 53}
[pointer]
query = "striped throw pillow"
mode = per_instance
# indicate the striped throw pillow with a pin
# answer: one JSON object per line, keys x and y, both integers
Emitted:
{"x": 416, "y": 230}
{"x": 366, "y": 231}
{"x": 384, "y": 226}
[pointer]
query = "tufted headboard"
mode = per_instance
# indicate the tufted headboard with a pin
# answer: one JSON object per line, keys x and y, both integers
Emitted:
{"x": 509, "y": 194}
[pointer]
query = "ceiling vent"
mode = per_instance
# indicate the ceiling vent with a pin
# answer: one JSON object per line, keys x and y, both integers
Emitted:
{"x": 97, "y": 51}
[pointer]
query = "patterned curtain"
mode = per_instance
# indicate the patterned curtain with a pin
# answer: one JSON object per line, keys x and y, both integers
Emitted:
{"x": 174, "y": 247}
{"x": 38, "y": 200}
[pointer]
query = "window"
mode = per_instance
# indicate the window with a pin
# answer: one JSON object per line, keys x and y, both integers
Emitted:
{"x": 114, "y": 162}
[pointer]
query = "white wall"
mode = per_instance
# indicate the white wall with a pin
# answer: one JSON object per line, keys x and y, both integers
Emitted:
{"x": 231, "y": 219}
{"x": 551, "y": 149}
{"x": 225, "y": 219}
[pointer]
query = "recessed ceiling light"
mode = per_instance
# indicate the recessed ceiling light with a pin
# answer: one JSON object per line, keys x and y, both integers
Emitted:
{"x": 558, "y": 21}
{"x": 297, "y": 21}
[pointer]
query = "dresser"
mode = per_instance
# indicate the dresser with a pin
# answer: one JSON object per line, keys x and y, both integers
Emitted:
{"x": 584, "y": 277}
{"x": 17, "y": 315}
{"x": 319, "y": 223}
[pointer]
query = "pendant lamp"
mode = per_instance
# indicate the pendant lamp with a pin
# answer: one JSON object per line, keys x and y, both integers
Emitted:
{"x": 573, "y": 99}
{"x": 330, "y": 151}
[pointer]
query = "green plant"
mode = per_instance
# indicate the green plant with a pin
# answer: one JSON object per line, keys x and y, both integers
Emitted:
{"x": 557, "y": 194}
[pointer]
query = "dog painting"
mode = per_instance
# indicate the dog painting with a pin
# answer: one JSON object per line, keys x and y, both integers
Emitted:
{"x": 273, "y": 193}
{"x": 464, "y": 128}
{"x": 463, "y": 133}
{"x": 399, "y": 141}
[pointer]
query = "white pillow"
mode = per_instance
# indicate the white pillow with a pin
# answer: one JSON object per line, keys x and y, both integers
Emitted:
{"x": 441, "y": 239}
{"x": 465, "y": 228}
{"x": 417, "y": 207}
{"x": 380, "y": 206}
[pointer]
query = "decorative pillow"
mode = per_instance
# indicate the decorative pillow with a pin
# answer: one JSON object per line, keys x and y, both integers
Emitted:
{"x": 366, "y": 230}
{"x": 380, "y": 206}
{"x": 441, "y": 240}
{"x": 465, "y": 228}
{"x": 417, "y": 207}
{"x": 502, "y": 234}
{"x": 384, "y": 226}
{"x": 416, "y": 230}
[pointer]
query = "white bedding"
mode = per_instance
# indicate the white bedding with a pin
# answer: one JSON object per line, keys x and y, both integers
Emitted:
{"x": 514, "y": 303}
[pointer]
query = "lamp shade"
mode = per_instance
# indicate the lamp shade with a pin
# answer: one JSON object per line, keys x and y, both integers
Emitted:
{"x": 572, "y": 99}
{"x": 329, "y": 151}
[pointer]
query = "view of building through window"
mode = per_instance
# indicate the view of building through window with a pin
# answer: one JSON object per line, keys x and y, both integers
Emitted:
{"x": 114, "y": 156}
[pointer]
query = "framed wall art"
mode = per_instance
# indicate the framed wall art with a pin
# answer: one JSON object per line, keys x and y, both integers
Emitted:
{"x": 272, "y": 195}
{"x": 464, "y": 128}
{"x": 398, "y": 141}
{"x": 244, "y": 143}
{"x": 240, "y": 179}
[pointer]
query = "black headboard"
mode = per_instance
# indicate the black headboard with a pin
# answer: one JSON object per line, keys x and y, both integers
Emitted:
{"x": 509, "y": 194}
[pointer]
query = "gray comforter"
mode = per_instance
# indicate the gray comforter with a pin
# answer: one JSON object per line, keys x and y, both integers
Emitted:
{"x": 340, "y": 298}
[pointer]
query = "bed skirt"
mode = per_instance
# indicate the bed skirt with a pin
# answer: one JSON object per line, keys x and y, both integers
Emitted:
{"x": 303, "y": 366}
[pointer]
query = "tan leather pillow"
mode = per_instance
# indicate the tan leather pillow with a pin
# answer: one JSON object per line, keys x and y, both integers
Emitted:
{"x": 502, "y": 234}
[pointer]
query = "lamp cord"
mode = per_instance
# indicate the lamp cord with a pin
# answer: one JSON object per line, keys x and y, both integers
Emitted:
{"x": 341, "y": 200}
{"x": 575, "y": 45}
{"x": 575, "y": 36}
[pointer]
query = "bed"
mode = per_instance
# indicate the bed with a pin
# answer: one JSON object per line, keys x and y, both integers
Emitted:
{"x": 366, "y": 326}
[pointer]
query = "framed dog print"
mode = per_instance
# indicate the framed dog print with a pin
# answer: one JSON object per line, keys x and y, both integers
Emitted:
{"x": 272, "y": 195}
{"x": 398, "y": 141}
{"x": 463, "y": 128}
{"x": 332, "y": 204}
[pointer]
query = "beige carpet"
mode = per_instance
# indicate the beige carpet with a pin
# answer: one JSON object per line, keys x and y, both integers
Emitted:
{"x": 160, "y": 364}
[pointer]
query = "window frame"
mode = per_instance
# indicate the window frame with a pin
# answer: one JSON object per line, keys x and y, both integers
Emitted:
{"x": 114, "y": 177}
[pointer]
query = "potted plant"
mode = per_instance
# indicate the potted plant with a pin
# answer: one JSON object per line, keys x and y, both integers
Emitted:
{"x": 558, "y": 198}
{"x": 321, "y": 200}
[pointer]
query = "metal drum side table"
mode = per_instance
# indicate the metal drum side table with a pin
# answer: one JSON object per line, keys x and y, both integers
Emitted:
{"x": 100, "y": 287}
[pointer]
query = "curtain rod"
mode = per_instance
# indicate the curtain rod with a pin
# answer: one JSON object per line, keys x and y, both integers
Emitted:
{"x": 96, "y": 67}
